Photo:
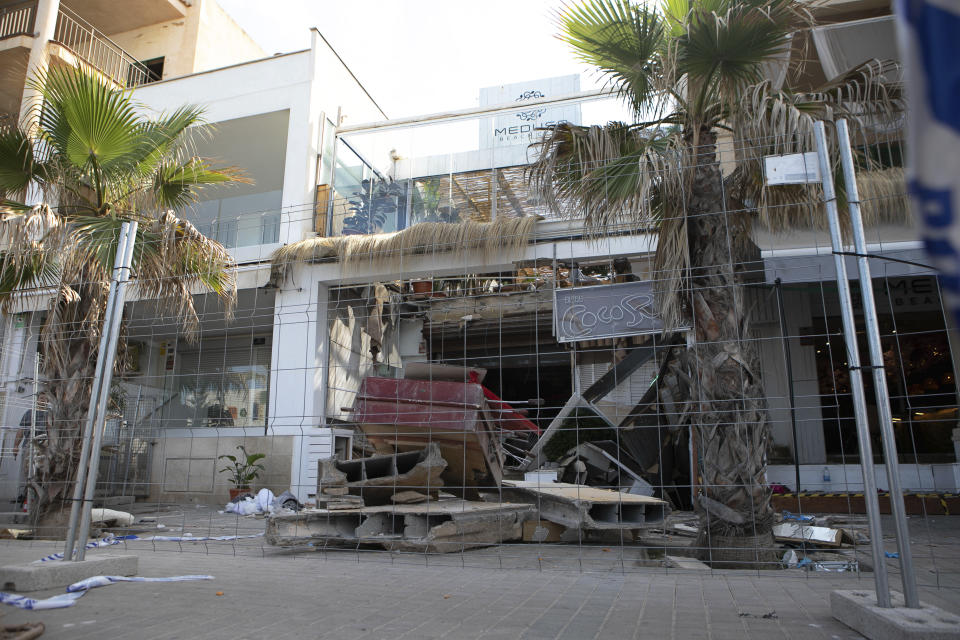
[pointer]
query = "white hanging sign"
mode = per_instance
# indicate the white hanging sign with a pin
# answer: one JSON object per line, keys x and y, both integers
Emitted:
{"x": 795, "y": 168}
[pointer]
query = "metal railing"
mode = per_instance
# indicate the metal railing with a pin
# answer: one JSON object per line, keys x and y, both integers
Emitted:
{"x": 83, "y": 39}
{"x": 18, "y": 19}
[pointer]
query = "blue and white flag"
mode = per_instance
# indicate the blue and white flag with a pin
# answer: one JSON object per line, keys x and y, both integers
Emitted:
{"x": 929, "y": 37}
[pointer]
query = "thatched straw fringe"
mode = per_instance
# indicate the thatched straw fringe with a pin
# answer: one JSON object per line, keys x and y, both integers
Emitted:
{"x": 883, "y": 200}
{"x": 386, "y": 250}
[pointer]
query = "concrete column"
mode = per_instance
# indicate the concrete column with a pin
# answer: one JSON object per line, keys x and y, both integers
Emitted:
{"x": 45, "y": 23}
{"x": 322, "y": 358}
{"x": 811, "y": 444}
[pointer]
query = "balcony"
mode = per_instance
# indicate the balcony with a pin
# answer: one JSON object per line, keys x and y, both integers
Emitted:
{"x": 134, "y": 15}
{"x": 386, "y": 177}
{"x": 97, "y": 50}
{"x": 75, "y": 42}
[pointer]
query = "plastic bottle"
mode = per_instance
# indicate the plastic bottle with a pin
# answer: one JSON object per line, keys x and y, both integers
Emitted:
{"x": 826, "y": 475}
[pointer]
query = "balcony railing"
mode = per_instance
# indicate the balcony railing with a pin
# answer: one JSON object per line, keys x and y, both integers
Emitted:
{"x": 104, "y": 55}
{"x": 17, "y": 19}
{"x": 80, "y": 37}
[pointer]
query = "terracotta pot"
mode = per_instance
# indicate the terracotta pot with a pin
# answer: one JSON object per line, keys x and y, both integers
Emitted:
{"x": 237, "y": 491}
{"x": 422, "y": 286}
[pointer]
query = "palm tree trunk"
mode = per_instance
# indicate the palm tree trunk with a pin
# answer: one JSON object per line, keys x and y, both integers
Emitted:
{"x": 732, "y": 432}
{"x": 68, "y": 349}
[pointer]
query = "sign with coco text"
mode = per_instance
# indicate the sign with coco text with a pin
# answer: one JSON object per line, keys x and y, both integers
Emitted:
{"x": 605, "y": 311}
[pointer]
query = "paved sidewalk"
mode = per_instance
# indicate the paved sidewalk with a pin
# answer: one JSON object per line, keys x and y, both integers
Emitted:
{"x": 349, "y": 596}
{"x": 511, "y": 591}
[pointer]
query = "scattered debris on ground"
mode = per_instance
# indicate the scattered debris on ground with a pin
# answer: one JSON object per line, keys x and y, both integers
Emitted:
{"x": 794, "y": 532}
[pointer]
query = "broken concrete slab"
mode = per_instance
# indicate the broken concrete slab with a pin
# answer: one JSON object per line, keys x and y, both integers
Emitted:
{"x": 858, "y": 610}
{"x": 377, "y": 478}
{"x": 52, "y": 574}
{"x": 542, "y": 531}
{"x": 436, "y": 527}
{"x": 583, "y": 507}
{"x": 409, "y": 497}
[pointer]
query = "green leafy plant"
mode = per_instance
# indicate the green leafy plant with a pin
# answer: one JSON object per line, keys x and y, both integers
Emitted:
{"x": 243, "y": 469}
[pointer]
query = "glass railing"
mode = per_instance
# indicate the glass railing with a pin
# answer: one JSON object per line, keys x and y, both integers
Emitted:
{"x": 452, "y": 169}
{"x": 239, "y": 221}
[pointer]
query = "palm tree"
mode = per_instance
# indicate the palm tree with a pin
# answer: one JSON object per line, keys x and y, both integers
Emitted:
{"x": 693, "y": 71}
{"x": 93, "y": 162}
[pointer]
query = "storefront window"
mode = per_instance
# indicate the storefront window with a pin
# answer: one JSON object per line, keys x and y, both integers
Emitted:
{"x": 919, "y": 371}
{"x": 221, "y": 386}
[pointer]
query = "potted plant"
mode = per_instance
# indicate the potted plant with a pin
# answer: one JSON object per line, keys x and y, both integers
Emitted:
{"x": 243, "y": 470}
{"x": 373, "y": 205}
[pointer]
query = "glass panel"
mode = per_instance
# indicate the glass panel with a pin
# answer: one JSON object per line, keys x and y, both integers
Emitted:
{"x": 240, "y": 221}
{"x": 219, "y": 387}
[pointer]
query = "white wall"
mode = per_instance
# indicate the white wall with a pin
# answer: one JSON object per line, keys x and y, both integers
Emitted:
{"x": 205, "y": 38}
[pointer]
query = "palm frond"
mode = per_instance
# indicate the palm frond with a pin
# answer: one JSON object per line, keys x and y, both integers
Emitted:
{"x": 725, "y": 48}
{"x": 607, "y": 176}
{"x": 177, "y": 184}
{"x": 18, "y": 167}
{"x": 87, "y": 123}
{"x": 173, "y": 261}
{"x": 623, "y": 41}
{"x": 774, "y": 122}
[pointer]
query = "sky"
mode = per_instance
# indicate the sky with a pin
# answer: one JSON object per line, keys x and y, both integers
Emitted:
{"x": 421, "y": 56}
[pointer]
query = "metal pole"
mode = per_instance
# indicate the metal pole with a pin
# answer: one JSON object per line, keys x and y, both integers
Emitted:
{"x": 856, "y": 377}
{"x": 76, "y": 506}
{"x": 910, "y": 596}
{"x": 788, "y": 362}
{"x": 31, "y": 464}
{"x": 93, "y": 467}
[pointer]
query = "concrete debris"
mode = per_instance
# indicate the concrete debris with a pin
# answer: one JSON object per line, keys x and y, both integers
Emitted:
{"x": 376, "y": 479}
{"x": 111, "y": 518}
{"x": 339, "y": 502}
{"x": 15, "y": 534}
{"x": 409, "y": 497}
{"x": 582, "y": 507}
{"x": 435, "y": 527}
{"x": 800, "y": 533}
{"x": 858, "y": 610}
{"x": 542, "y": 531}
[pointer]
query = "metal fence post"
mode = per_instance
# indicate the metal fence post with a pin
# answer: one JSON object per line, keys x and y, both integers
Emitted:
{"x": 78, "y": 487}
{"x": 107, "y": 376}
{"x": 879, "y": 373}
{"x": 856, "y": 378}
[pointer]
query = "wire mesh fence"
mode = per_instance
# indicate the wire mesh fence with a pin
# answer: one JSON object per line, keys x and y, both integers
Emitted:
{"x": 450, "y": 374}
